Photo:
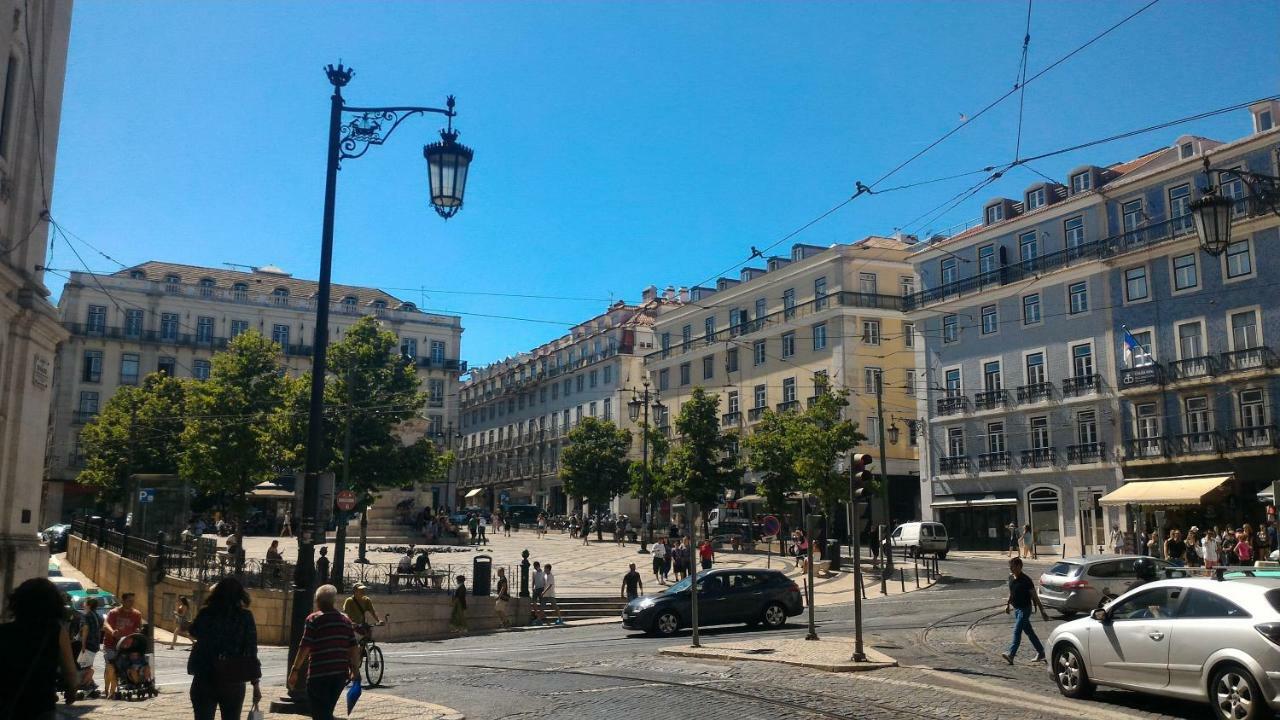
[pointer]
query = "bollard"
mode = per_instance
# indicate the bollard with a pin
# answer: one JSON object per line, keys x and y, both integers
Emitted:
{"x": 917, "y": 564}
{"x": 902, "y": 578}
{"x": 524, "y": 574}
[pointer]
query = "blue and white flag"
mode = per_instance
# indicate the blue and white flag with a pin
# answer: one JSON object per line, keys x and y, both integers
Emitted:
{"x": 1134, "y": 354}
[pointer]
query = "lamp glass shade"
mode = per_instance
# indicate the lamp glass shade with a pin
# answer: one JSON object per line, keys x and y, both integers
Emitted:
{"x": 1212, "y": 216}
{"x": 447, "y": 165}
{"x": 893, "y": 434}
{"x": 633, "y": 408}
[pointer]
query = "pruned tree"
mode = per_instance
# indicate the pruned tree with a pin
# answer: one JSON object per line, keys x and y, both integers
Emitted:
{"x": 594, "y": 465}
{"x": 822, "y": 438}
{"x": 703, "y": 464}
{"x": 772, "y": 452}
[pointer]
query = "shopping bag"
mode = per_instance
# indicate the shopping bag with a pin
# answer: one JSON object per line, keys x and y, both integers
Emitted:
{"x": 256, "y": 714}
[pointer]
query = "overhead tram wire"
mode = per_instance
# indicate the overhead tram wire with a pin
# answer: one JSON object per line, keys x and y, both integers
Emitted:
{"x": 1021, "y": 84}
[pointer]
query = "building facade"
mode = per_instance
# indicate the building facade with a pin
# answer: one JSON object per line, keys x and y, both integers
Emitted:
{"x": 772, "y": 338}
{"x": 1030, "y": 395}
{"x": 172, "y": 318}
{"x": 34, "y": 40}
{"x": 516, "y": 414}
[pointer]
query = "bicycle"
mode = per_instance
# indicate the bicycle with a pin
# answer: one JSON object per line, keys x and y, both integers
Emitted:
{"x": 373, "y": 663}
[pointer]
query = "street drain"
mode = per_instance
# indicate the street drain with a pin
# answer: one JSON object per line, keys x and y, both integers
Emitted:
{"x": 760, "y": 651}
{"x": 887, "y": 647}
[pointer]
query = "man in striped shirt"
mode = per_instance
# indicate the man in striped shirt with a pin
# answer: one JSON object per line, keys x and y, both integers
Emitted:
{"x": 328, "y": 651}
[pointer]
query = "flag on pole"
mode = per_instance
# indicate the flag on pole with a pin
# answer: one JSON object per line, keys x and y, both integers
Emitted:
{"x": 1134, "y": 354}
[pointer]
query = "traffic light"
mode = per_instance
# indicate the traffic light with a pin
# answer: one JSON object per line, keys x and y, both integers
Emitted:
{"x": 860, "y": 476}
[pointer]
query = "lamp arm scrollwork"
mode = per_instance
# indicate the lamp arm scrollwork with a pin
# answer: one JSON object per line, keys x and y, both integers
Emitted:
{"x": 363, "y": 127}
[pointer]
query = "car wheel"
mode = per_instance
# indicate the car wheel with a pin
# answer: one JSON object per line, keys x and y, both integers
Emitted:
{"x": 774, "y": 616}
{"x": 1235, "y": 695}
{"x": 1070, "y": 674}
{"x": 666, "y": 624}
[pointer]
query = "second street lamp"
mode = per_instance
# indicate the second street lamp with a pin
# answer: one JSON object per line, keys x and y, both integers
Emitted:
{"x": 638, "y": 406}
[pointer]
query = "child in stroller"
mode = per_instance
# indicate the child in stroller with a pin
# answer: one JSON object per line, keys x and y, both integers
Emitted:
{"x": 136, "y": 682}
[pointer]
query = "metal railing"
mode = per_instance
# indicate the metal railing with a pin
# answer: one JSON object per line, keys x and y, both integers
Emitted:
{"x": 754, "y": 413}
{"x": 952, "y": 404}
{"x": 1145, "y": 448}
{"x": 1081, "y": 385}
{"x": 993, "y": 461}
{"x": 1256, "y": 358}
{"x": 953, "y": 465}
{"x": 1191, "y": 368}
{"x": 990, "y": 399}
{"x": 1198, "y": 443}
{"x": 80, "y": 417}
{"x": 731, "y": 418}
{"x": 788, "y": 405}
{"x": 1035, "y": 392}
{"x": 1039, "y": 457}
{"x": 1258, "y": 437}
{"x": 1085, "y": 453}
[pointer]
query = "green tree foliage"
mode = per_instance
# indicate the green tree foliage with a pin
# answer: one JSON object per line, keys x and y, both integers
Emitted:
{"x": 702, "y": 465}
{"x": 594, "y": 465}
{"x": 139, "y": 430}
{"x": 771, "y": 451}
{"x": 822, "y": 437}
{"x": 659, "y": 449}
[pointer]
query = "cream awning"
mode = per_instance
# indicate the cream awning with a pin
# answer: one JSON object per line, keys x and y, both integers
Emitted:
{"x": 1171, "y": 491}
{"x": 474, "y": 492}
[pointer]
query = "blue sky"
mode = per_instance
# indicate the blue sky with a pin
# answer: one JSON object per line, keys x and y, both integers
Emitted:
{"x": 617, "y": 144}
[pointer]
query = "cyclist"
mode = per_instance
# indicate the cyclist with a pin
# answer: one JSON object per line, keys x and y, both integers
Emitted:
{"x": 359, "y": 609}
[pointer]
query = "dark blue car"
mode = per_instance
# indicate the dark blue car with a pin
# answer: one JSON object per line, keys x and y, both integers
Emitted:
{"x": 725, "y": 597}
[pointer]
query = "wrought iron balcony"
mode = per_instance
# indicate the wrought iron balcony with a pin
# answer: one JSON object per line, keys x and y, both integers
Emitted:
{"x": 1258, "y": 437}
{"x": 1035, "y": 392}
{"x": 754, "y": 413}
{"x": 1191, "y": 368}
{"x": 1258, "y": 358}
{"x": 993, "y": 461}
{"x": 1086, "y": 453}
{"x": 1081, "y": 385}
{"x": 990, "y": 399}
{"x": 1039, "y": 457}
{"x": 1198, "y": 443}
{"x": 1144, "y": 376}
{"x": 732, "y": 418}
{"x": 788, "y": 405}
{"x": 952, "y": 404}
{"x": 1146, "y": 448}
{"x": 953, "y": 465}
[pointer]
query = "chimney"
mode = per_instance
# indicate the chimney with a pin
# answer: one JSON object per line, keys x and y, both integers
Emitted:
{"x": 669, "y": 293}
{"x": 684, "y": 294}
{"x": 649, "y": 294}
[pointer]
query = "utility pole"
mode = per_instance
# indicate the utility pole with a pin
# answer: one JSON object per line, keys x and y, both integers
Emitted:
{"x": 884, "y": 468}
{"x": 340, "y": 550}
{"x": 693, "y": 575}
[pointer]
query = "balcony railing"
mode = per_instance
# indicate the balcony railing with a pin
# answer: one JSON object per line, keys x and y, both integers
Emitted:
{"x": 1258, "y": 358}
{"x": 1039, "y": 457}
{"x": 990, "y": 399}
{"x": 788, "y": 405}
{"x": 1198, "y": 443}
{"x": 1086, "y": 453}
{"x": 1197, "y": 367}
{"x": 953, "y": 465}
{"x": 1145, "y": 448}
{"x": 729, "y": 419}
{"x": 993, "y": 461}
{"x": 1258, "y": 437}
{"x": 952, "y": 404}
{"x": 1035, "y": 392}
{"x": 1081, "y": 385}
{"x": 754, "y": 413}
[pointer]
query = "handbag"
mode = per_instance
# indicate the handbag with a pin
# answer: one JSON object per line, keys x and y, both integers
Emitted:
{"x": 256, "y": 714}
{"x": 238, "y": 668}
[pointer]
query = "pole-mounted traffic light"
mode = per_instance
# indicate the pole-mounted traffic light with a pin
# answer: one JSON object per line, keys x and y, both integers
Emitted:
{"x": 861, "y": 475}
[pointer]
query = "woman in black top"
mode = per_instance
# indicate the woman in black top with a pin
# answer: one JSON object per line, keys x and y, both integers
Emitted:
{"x": 37, "y": 647}
{"x": 223, "y": 629}
{"x": 458, "y": 617}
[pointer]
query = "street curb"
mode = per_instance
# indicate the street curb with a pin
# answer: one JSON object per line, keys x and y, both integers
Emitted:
{"x": 757, "y": 652}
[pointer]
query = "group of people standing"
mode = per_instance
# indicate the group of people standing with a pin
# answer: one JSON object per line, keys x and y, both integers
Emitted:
{"x": 675, "y": 558}
{"x": 1208, "y": 548}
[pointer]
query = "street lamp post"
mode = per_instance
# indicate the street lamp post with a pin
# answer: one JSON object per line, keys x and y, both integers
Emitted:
{"x": 1212, "y": 212}
{"x": 352, "y": 131}
{"x": 640, "y": 403}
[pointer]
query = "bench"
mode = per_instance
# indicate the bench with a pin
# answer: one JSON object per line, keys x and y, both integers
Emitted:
{"x": 435, "y": 577}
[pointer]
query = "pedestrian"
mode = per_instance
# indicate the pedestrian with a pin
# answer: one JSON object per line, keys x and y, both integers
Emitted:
{"x": 632, "y": 585}
{"x": 1252, "y": 539}
{"x": 91, "y": 641}
{"x": 286, "y": 529}
{"x": 539, "y": 587}
{"x": 1153, "y": 544}
{"x": 1193, "y": 547}
{"x": 1117, "y": 540}
{"x": 658, "y": 552}
{"x": 1175, "y": 550}
{"x": 329, "y": 653}
{"x": 1209, "y": 548}
{"x": 1022, "y": 598}
{"x": 481, "y": 524}
{"x": 1028, "y": 541}
{"x": 1244, "y": 548}
{"x": 504, "y": 599}
{"x": 473, "y": 529}
{"x": 225, "y": 655}
{"x": 1014, "y": 539}
{"x": 181, "y": 620}
{"x": 666, "y": 563}
{"x": 322, "y": 568}
{"x": 542, "y": 525}
{"x": 458, "y": 614}
{"x": 679, "y": 556}
{"x": 37, "y": 648}
{"x": 706, "y": 554}
{"x": 549, "y": 595}
{"x": 122, "y": 622}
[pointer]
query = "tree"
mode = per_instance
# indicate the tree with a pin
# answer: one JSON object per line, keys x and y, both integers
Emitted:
{"x": 594, "y": 465}
{"x": 138, "y": 431}
{"x": 230, "y": 440}
{"x": 822, "y": 437}
{"x": 654, "y": 485}
{"x": 771, "y": 451}
{"x": 702, "y": 465}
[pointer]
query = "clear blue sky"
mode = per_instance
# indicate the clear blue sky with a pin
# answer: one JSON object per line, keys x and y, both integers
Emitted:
{"x": 617, "y": 144}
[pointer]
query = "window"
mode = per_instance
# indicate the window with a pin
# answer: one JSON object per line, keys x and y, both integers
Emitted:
{"x": 955, "y": 442}
{"x": 950, "y": 271}
{"x": 1263, "y": 120}
{"x": 435, "y": 392}
{"x": 951, "y": 382}
{"x": 1039, "y": 433}
{"x": 871, "y": 332}
{"x": 871, "y": 379}
{"x": 760, "y": 396}
{"x": 788, "y": 390}
{"x": 907, "y": 284}
{"x": 1148, "y": 604}
{"x": 437, "y": 351}
{"x": 986, "y": 260}
{"x": 593, "y": 378}
{"x": 731, "y": 360}
{"x": 733, "y": 401}
{"x": 867, "y": 284}
{"x": 129, "y": 364}
{"x": 1081, "y": 182}
{"x": 736, "y": 322}
{"x": 911, "y": 383}
{"x": 1031, "y": 309}
{"x": 909, "y": 334}
{"x": 820, "y": 293}
{"x": 788, "y": 344}
{"x": 664, "y": 381}
{"x": 1232, "y": 188}
{"x": 1131, "y": 217}
{"x": 608, "y": 375}
{"x": 761, "y": 310}
{"x": 6, "y": 109}
{"x": 950, "y": 329}
{"x": 709, "y": 328}
{"x": 1185, "y": 273}
{"x": 239, "y": 327}
{"x": 1253, "y": 414}
{"x": 990, "y": 321}
{"x": 1244, "y": 330}
{"x": 1143, "y": 356}
{"x": 686, "y": 339}
{"x": 591, "y": 409}
{"x": 280, "y": 335}
{"x": 1035, "y": 368}
{"x": 1198, "y": 421}
{"x": 167, "y": 366}
{"x": 1036, "y": 198}
{"x": 1239, "y": 260}
{"x": 581, "y": 382}
{"x": 240, "y": 291}
{"x": 1135, "y": 284}
{"x": 708, "y": 367}
{"x": 1190, "y": 341}
{"x": 608, "y": 409}
{"x": 758, "y": 352}
{"x": 204, "y": 329}
{"x": 788, "y": 303}
{"x": 995, "y": 437}
{"x": 88, "y": 402}
{"x": 1078, "y": 296}
{"x": 991, "y": 380}
{"x": 172, "y": 284}
{"x": 995, "y": 214}
{"x": 133, "y": 320}
{"x": 92, "y": 366}
{"x": 1147, "y": 427}
{"x": 1087, "y": 427}
{"x": 1029, "y": 249}
{"x": 168, "y": 326}
{"x": 206, "y": 287}
{"x": 1073, "y": 230}
{"x": 684, "y": 373}
{"x": 873, "y": 427}
{"x": 820, "y": 336}
{"x": 1082, "y": 360}
{"x": 97, "y": 319}
{"x": 1180, "y": 207}
{"x": 1204, "y": 604}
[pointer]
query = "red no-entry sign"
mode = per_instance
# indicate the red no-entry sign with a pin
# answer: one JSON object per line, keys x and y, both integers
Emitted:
{"x": 771, "y": 525}
{"x": 346, "y": 500}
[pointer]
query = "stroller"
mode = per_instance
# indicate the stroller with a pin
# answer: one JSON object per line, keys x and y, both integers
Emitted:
{"x": 133, "y": 672}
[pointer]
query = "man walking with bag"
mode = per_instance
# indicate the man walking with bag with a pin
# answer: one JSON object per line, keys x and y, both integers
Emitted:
{"x": 1022, "y": 598}
{"x": 328, "y": 652}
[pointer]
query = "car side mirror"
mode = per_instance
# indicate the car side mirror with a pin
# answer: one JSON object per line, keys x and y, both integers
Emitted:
{"x": 1101, "y": 616}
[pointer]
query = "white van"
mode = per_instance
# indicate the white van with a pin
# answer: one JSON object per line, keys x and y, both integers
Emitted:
{"x": 921, "y": 537}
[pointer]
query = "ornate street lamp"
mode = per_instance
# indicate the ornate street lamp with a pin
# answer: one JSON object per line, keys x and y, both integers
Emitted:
{"x": 447, "y": 163}
{"x": 1212, "y": 212}
{"x": 893, "y": 434}
{"x": 640, "y": 404}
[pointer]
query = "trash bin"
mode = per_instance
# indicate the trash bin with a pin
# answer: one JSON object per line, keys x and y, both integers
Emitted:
{"x": 833, "y": 554}
{"x": 481, "y": 568}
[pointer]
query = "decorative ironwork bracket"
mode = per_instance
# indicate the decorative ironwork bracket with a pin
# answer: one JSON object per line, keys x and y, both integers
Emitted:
{"x": 366, "y": 127}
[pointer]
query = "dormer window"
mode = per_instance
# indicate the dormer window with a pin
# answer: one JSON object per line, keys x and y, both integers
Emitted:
{"x": 1263, "y": 120}
{"x": 172, "y": 283}
{"x": 1035, "y": 198}
{"x": 137, "y": 275}
{"x": 1186, "y": 150}
{"x": 379, "y": 304}
{"x": 1081, "y": 181}
{"x": 408, "y": 306}
{"x": 240, "y": 291}
{"x": 206, "y": 287}
{"x": 995, "y": 214}
{"x": 280, "y": 296}
{"x": 349, "y": 303}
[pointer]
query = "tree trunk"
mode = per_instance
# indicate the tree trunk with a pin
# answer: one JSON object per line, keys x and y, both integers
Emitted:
{"x": 364, "y": 532}
{"x": 599, "y": 527}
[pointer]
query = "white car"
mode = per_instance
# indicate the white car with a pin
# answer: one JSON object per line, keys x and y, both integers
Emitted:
{"x": 921, "y": 537}
{"x": 1215, "y": 641}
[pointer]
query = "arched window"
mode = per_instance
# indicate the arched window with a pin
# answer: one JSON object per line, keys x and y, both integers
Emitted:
{"x": 280, "y": 296}
{"x": 349, "y": 303}
{"x": 240, "y": 291}
{"x": 408, "y": 306}
{"x": 1044, "y": 510}
{"x": 172, "y": 283}
{"x": 380, "y": 304}
{"x": 206, "y": 287}
{"x": 137, "y": 275}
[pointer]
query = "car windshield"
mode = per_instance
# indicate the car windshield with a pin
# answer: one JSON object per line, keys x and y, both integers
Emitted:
{"x": 68, "y": 585}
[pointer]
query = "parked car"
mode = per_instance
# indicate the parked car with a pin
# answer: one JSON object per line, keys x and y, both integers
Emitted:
{"x": 750, "y": 596}
{"x": 921, "y": 537}
{"x": 55, "y": 568}
{"x": 106, "y": 601}
{"x": 1199, "y": 639}
{"x": 55, "y": 536}
{"x": 1079, "y": 585}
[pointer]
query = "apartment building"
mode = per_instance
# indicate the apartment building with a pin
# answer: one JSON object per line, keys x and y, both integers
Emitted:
{"x": 33, "y": 39}
{"x": 516, "y": 414}
{"x": 1036, "y": 412}
{"x": 771, "y": 338}
{"x": 172, "y": 318}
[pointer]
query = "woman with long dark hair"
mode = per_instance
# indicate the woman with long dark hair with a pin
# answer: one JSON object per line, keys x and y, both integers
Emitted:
{"x": 37, "y": 646}
{"x": 225, "y": 655}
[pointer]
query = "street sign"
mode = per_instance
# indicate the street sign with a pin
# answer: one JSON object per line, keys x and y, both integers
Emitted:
{"x": 346, "y": 500}
{"x": 771, "y": 525}
{"x": 504, "y": 496}
{"x": 147, "y": 495}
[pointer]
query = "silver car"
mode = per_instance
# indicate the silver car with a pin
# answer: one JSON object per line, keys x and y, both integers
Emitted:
{"x": 1215, "y": 641}
{"x": 1079, "y": 585}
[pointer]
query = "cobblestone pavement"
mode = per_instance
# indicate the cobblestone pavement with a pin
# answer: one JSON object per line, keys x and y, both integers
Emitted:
{"x": 175, "y": 706}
